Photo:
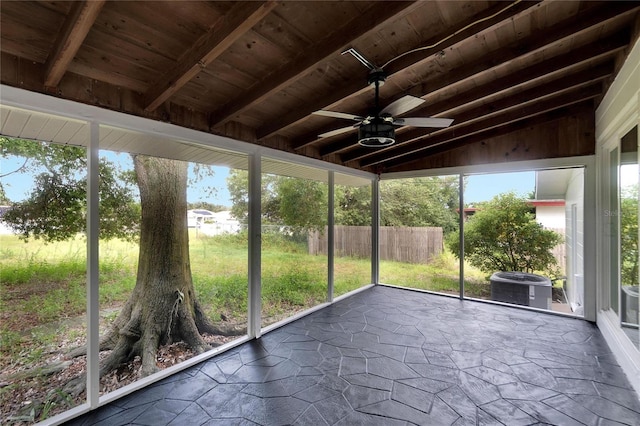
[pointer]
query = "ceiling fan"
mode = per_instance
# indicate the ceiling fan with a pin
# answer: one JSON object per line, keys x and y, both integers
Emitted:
{"x": 378, "y": 129}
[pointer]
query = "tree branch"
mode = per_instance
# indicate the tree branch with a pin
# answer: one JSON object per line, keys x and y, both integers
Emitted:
{"x": 24, "y": 166}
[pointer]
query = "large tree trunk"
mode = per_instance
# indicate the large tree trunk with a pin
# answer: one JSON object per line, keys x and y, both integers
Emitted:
{"x": 162, "y": 307}
{"x": 163, "y": 300}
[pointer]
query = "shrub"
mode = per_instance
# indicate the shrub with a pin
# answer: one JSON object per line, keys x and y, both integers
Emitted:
{"x": 504, "y": 236}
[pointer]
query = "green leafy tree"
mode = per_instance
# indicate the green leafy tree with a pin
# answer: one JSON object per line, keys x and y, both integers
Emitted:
{"x": 163, "y": 306}
{"x": 206, "y": 206}
{"x": 56, "y": 209}
{"x": 303, "y": 203}
{"x": 629, "y": 236}
{"x": 238, "y": 186}
{"x": 429, "y": 201}
{"x": 352, "y": 205}
{"x": 504, "y": 236}
{"x": 4, "y": 200}
{"x": 295, "y": 202}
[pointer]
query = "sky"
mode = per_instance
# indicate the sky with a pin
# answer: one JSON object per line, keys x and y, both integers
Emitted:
{"x": 479, "y": 187}
{"x": 485, "y": 187}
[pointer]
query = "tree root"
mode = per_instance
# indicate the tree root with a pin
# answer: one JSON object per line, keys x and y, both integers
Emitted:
{"x": 205, "y": 325}
{"x": 46, "y": 370}
{"x": 129, "y": 337}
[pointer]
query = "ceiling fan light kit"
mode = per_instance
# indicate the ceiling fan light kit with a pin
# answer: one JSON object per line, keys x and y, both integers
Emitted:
{"x": 378, "y": 129}
{"x": 378, "y": 133}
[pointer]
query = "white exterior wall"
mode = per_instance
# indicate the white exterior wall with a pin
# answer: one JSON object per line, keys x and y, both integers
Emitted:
{"x": 551, "y": 216}
{"x": 574, "y": 239}
{"x": 617, "y": 114}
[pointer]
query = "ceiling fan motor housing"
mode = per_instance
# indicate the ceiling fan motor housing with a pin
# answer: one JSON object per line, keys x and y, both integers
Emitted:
{"x": 377, "y": 133}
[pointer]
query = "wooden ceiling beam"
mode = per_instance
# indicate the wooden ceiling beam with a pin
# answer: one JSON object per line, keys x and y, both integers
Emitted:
{"x": 488, "y": 135}
{"x": 466, "y": 29}
{"x": 533, "y": 108}
{"x": 573, "y": 83}
{"x": 308, "y": 60}
{"x": 593, "y": 16}
{"x": 240, "y": 19}
{"x": 591, "y": 52}
{"x": 568, "y": 83}
{"x": 71, "y": 36}
{"x": 529, "y": 46}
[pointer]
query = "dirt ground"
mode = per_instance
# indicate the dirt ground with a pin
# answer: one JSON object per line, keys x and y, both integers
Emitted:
{"x": 26, "y": 399}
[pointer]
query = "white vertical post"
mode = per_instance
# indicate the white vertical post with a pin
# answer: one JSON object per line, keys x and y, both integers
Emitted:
{"x": 461, "y": 231}
{"x": 255, "y": 246}
{"x": 375, "y": 231}
{"x": 93, "y": 229}
{"x": 330, "y": 236}
{"x": 590, "y": 243}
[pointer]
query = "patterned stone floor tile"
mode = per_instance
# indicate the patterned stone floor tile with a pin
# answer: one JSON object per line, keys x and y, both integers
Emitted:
{"x": 619, "y": 395}
{"x": 415, "y": 356}
{"x": 458, "y": 401}
{"x": 359, "y": 396}
{"x": 608, "y": 409}
{"x": 363, "y": 419}
{"x": 425, "y": 384}
{"x": 574, "y": 386}
{"x": 436, "y": 372}
{"x": 397, "y": 411}
{"x": 507, "y": 413}
{"x": 413, "y": 397}
{"x": 162, "y": 412}
{"x": 492, "y": 376}
{"x": 229, "y": 422}
{"x": 219, "y": 397}
{"x": 370, "y": 381}
{"x": 547, "y": 413}
{"x": 310, "y": 417}
{"x": 192, "y": 415}
{"x": 334, "y": 409}
{"x": 275, "y": 411}
{"x": 391, "y": 357}
{"x": 124, "y": 417}
{"x": 525, "y": 391}
{"x": 478, "y": 390}
{"x": 390, "y": 369}
{"x": 316, "y": 393}
{"x": 466, "y": 359}
{"x": 564, "y": 405}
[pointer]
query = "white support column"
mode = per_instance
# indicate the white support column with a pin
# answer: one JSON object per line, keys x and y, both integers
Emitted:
{"x": 330, "y": 236}
{"x": 375, "y": 231}
{"x": 93, "y": 229}
{"x": 461, "y": 232}
{"x": 590, "y": 247}
{"x": 255, "y": 246}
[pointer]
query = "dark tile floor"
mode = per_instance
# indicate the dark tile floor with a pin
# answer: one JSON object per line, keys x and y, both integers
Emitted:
{"x": 395, "y": 357}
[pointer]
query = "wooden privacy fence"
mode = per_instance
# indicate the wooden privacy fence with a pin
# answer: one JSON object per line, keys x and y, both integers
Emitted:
{"x": 401, "y": 244}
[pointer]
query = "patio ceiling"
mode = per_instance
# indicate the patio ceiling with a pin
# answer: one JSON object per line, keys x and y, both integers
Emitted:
{"x": 520, "y": 79}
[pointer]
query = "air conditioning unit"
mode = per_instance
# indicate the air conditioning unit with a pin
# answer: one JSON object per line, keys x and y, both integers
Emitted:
{"x": 521, "y": 288}
{"x": 630, "y": 304}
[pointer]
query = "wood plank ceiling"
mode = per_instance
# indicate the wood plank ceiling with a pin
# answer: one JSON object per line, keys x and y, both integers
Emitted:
{"x": 520, "y": 79}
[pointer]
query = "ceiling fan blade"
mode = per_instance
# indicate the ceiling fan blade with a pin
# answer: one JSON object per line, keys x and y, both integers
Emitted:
{"x": 423, "y": 122}
{"x": 336, "y": 132}
{"x": 402, "y": 105}
{"x": 335, "y": 114}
